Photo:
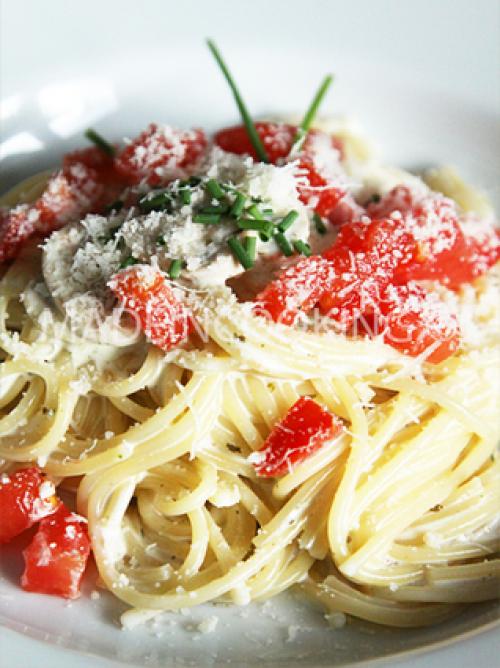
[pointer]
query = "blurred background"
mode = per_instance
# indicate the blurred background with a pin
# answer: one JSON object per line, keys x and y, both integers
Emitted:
{"x": 420, "y": 77}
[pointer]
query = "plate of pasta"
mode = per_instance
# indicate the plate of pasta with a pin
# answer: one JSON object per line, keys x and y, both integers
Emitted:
{"x": 248, "y": 375}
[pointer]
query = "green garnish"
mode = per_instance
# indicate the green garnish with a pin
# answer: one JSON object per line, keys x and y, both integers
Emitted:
{"x": 255, "y": 212}
{"x": 264, "y": 226}
{"x": 214, "y": 189}
{"x": 238, "y": 205}
{"x": 302, "y": 247}
{"x": 100, "y": 142}
{"x": 247, "y": 119}
{"x": 319, "y": 224}
{"x": 239, "y": 252}
{"x": 128, "y": 262}
{"x": 283, "y": 243}
{"x": 215, "y": 209}
{"x": 185, "y": 195}
{"x": 161, "y": 240}
{"x": 250, "y": 245}
{"x": 288, "y": 221}
{"x": 298, "y": 140}
{"x": 158, "y": 202}
{"x": 207, "y": 218}
{"x": 174, "y": 271}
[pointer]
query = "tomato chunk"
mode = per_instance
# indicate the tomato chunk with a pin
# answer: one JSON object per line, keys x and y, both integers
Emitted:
{"x": 303, "y": 430}
{"x": 416, "y": 321}
{"x": 146, "y": 295}
{"x": 159, "y": 154}
{"x": 56, "y": 558}
{"x": 317, "y": 185}
{"x": 26, "y": 496}
{"x": 296, "y": 289}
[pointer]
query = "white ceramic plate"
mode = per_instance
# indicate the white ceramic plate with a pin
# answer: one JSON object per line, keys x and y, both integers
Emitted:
{"x": 419, "y": 77}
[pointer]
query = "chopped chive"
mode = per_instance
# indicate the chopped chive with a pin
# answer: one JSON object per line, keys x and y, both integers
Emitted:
{"x": 161, "y": 240}
{"x": 283, "y": 243}
{"x": 128, "y": 262}
{"x": 115, "y": 206}
{"x": 263, "y": 226}
{"x": 247, "y": 119}
{"x": 100, "y": 142}
{"x": 214, "y": 209}
{"x": 186, "y": 196}
{"x": 158, "y": 202}
{"x": 302, "y": 247}
{"x": 214, "y": 189}
{"x": 250, "y": 245}
{"x": 194, "y": 181}
{"x": 288, "y": 221}
{"x": 238, "y": 205}
{"x": 174, "y": 270}
{"x": 239, "y": 252}
{"x": 319, "y": 224}
{"x": 207, "y": 218}
{"x": 298, "y": 140}
{"x": 267, "y": 212}
{"x": 255, "y": 212}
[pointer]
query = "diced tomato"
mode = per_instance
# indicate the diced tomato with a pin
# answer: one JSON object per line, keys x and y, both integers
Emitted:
{"x": 435, "y": 244}
{"x": 303, "y": 430}
{"x": 277, "y": 139}
{"x": 146, "y": 295}
{"x": 26, "y": 496}
{"x": 159, "y": 154}
{"x": 482, "y": 251}
{"x": 319, "y": 193}
{"x": 316, "y": 189}
{"x": 56, "y": 558}
{"x": 296, "y": 289}
{"x": 87, "y": 182}
{"x": 416, "y": 320}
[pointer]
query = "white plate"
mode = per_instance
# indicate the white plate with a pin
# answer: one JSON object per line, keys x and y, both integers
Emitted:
{"x": 420, "y": 78}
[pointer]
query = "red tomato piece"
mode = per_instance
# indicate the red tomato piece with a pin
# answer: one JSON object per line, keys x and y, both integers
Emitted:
{"x": 303, "y": 430}
{"x": 159, "y": 154}
{"x": 277, "y": 139}
{"x": 26, "y": 496}
{"x": 416, "y": 320}
{"x": 319, "y": 192}
{"x": 436, "y": 248}
{"x": 146, "y": 295}
{"x": 482, "y": 251}
{"x": 316, "y": 187}
{"x": 296, "y": 289}
{"x": 56, "y": 558}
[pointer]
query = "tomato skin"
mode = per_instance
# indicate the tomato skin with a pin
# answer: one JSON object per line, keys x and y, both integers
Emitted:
{"x": 296, "y": 289}
{"x": 319, "y": 193}
{"x": 146, "y": 295}
{"x": 416, "y": 320}
{"x": 302, "y": 431}
{"x": 159, "y": 154}
{"x": 26, "y": 497}
{"x": 56, "y": 558}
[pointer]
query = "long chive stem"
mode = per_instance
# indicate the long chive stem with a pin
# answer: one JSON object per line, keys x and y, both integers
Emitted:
{"x": 100, "y": 142}
{"x": 247, "y": 119}
{"x": 310, "y": 114}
